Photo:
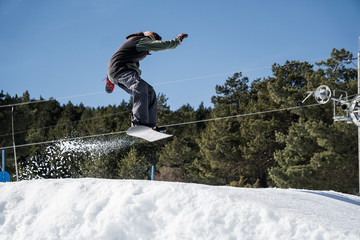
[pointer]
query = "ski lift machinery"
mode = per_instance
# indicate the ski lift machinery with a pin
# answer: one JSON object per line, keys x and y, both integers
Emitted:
{"x": 351, "y": 107}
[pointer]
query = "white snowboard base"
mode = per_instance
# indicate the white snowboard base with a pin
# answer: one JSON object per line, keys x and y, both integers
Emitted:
{"x": 146, "y": 133}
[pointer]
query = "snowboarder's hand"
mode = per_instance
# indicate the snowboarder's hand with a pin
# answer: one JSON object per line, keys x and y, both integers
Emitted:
{"x": 182, "y": 36}
{"x": 109, "y": 86}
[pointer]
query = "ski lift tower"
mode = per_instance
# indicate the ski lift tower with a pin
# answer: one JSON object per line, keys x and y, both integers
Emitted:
{"x": 350, "y": 106}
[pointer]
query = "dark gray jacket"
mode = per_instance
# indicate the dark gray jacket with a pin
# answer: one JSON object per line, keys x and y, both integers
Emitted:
{"x": 134, "y": 49}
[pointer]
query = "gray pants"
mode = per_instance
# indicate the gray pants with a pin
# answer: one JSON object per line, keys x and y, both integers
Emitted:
{"x": 144, "y": 109}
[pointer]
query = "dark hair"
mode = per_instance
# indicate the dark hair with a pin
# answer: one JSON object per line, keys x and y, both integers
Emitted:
{"x": 157, "y": 36}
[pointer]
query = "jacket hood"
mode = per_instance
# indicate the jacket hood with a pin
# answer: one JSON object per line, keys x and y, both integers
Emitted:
{"x": 137, "y": 34}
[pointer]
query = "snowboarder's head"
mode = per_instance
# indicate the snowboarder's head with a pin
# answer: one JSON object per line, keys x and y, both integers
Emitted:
{"x": 152, "y": 35}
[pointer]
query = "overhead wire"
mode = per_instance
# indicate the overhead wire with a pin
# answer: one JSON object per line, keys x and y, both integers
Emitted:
{"x": 160, "y": 83}
{"x": 207, "y": 76}
{"x": 26, "y": 103}
{"x": 155, "y": 84}
{"x": 103, "y": 92}
{"x": 64, "y": 124}
{"x": 168, "y": 125}
{"x": 241, "y": 115}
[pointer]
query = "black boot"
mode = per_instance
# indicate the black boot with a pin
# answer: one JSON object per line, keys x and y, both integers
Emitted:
{"x": 134, "y": 124}
{"x": 159, "y": 129}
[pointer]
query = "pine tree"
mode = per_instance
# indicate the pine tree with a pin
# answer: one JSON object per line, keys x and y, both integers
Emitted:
{"x": 220, "y": 143}
{"x": 134, "y": 166}
{"x": 175, "y": 161}
{"x": 317, "y": 156}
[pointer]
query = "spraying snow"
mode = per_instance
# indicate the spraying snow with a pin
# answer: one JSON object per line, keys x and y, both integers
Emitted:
{"x": 63, "y": 159}
{"x": 96, "y": 146}
{"x": 124, "y": 209}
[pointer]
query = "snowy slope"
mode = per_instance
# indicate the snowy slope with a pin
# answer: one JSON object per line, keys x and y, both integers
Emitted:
{"x": 120, "y": 209}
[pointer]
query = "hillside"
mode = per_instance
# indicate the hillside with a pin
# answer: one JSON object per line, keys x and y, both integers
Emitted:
{"x": 128, "y": 209}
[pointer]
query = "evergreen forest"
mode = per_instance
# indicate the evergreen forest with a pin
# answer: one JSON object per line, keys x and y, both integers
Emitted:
{"x": 238, "y": 142}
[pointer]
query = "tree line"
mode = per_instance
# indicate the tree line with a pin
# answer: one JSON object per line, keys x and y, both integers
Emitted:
{"x": 300, "y": 148}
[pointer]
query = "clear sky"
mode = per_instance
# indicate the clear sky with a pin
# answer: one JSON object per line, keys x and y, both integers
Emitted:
{"x": 61, "y": 49}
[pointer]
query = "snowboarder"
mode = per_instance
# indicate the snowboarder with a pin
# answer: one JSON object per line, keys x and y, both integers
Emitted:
{"x": 123, "y": 70}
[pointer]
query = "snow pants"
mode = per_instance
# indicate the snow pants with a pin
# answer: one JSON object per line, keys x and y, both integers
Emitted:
{"x": 144, "y": 111}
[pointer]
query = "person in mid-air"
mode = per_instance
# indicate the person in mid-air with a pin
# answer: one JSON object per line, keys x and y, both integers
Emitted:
{"x": 123, "y": 70}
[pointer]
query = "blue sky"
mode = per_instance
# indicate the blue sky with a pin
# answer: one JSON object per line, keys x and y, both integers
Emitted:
{"x": 60, "y": 49}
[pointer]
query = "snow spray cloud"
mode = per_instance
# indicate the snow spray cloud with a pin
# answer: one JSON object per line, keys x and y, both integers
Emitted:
{"x": 94, "y": 147}
{"x": 64, "y": 159}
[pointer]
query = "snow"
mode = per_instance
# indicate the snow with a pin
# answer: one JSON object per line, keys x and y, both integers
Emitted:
{"x": 134, "y": 209}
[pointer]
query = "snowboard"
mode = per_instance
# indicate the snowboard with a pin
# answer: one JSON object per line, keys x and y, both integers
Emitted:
{"x": 146, "y": 133}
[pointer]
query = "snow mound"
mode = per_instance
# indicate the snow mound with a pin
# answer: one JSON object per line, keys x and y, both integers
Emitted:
{"x": 128, "y": 209}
